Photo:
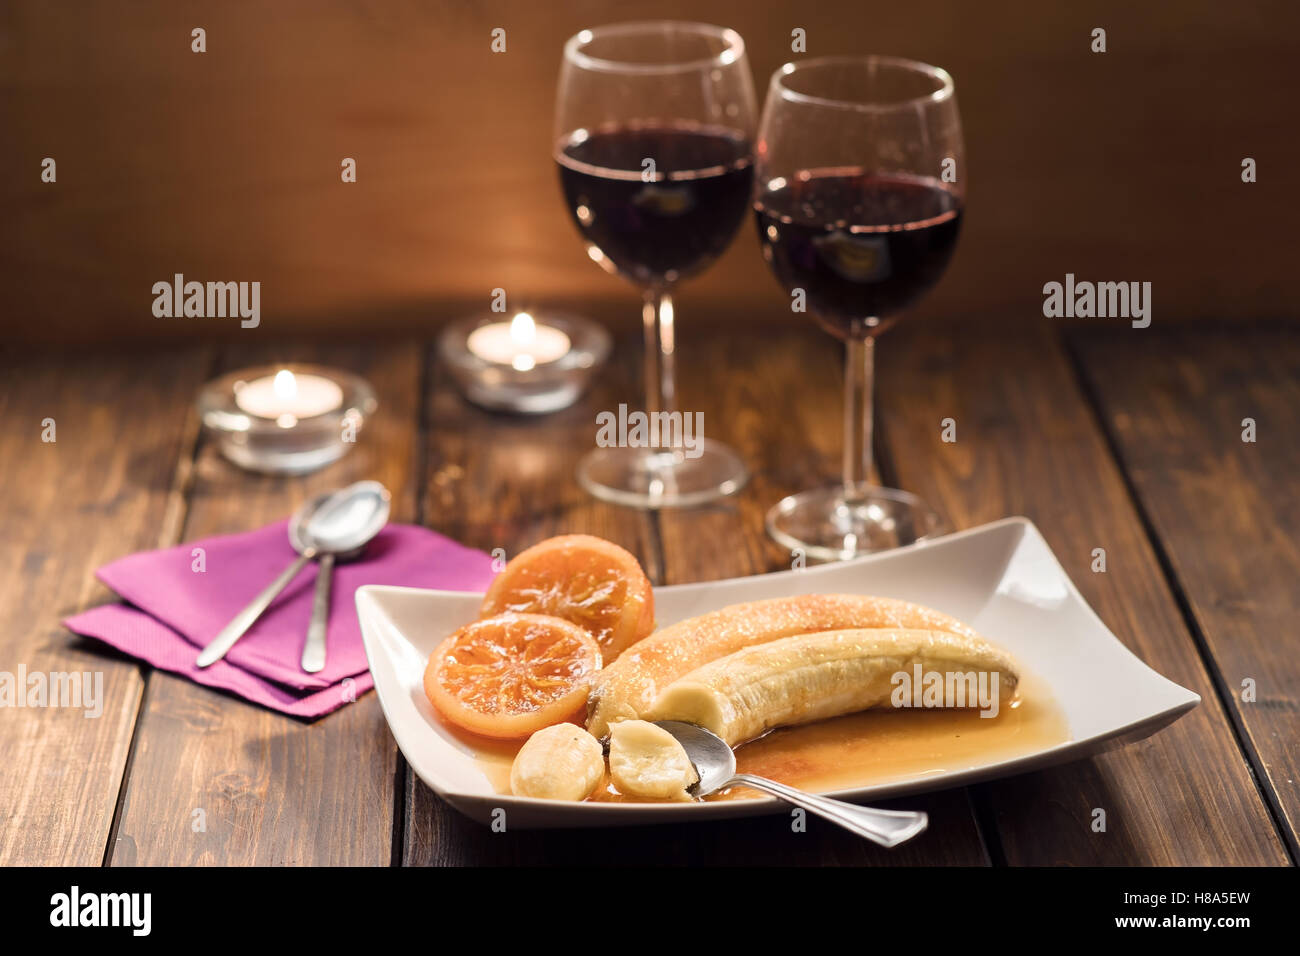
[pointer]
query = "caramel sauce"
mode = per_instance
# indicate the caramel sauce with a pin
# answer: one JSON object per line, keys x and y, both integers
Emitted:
{"x": 886, "y": 746}
{"x": 863, "y": 749}
{"x": 493, "y": 757}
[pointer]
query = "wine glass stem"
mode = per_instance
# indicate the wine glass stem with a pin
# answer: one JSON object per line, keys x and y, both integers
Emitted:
{"x": 859, "y": 381}
{"x": 660, "y": 343}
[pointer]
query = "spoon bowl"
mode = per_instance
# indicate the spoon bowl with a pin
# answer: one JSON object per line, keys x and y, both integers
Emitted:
{"x": 341, "y": 522}
{"x": 715, "y": 763}
{"x": 712, "y": 757}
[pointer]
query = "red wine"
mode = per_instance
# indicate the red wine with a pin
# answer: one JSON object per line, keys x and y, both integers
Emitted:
{"x": 672, "y": 225}
{"x": 862, "y": 246}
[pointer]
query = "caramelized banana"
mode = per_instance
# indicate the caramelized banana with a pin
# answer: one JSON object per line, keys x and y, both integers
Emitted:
{"x": 560, "y": 762}
{"x": 626, "y": 688}
{"x": 797, "y": 680}
{"x": 648, "y": 761}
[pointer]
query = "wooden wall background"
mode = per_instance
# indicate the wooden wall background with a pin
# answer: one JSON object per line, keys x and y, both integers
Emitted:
{"x": 225, "y": 165}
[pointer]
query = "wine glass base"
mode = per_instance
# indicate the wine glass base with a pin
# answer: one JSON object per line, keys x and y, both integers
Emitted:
{"x": 662, "y": 478}
{"x": 824, "y": 526}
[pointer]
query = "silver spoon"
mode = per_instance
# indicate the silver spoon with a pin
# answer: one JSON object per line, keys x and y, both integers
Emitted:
{"x": 339, "y": 522}
{"x": 715, "y": 762}
{"x": 313, "y": 648}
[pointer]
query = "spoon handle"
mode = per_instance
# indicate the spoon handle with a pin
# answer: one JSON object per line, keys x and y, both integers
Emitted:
{"x": 242, "y": 621}
{"x": 886, "y": 827}
{"x": 313, "y": 650}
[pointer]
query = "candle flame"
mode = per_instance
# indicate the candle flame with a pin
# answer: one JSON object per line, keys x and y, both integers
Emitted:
{"x": 523, "y": 329}
{"x": 285, "y": 385}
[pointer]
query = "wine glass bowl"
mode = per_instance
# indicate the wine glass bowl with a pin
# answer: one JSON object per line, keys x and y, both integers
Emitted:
{"x": 858, "y": 198}
{"x": 654, "y": 131}
{"x": 656, "y": 226}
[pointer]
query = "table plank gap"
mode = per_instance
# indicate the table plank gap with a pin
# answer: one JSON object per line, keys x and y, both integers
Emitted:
{"x": 1171, "y": 405}
{"x": 1268, "y": 793}
{"x": 169, "y": 533}
{"x": 403, "y": 775}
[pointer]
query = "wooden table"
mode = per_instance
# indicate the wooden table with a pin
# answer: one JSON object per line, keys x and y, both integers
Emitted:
{"x": 1129, "y": 441}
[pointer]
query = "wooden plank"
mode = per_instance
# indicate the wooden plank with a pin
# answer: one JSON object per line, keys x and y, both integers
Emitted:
{"x": 1027, "y": 443}
{"x": 275, "y": 790}
{"x": 103, "y": 488}
{"x": 1223, "y": 509}
{"x": 777, "y": 399}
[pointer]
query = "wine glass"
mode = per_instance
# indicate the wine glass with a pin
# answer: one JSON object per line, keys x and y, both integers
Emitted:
{"x": 859, "y": 192}
{"x": 654, "y": 128}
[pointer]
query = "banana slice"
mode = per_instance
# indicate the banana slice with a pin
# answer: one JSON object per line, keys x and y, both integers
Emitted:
{"x": 797, "y": 680}
{"x": 560, "y": 762}
{"x": 626, "y": 688}
{"x": 648, "y": 761}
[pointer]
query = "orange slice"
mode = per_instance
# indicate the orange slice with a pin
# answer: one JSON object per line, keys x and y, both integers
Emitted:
{"x": 584, "y": 579}
{"x": 512, "y": 675}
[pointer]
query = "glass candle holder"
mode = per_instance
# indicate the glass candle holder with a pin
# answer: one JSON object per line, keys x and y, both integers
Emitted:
{"x": 531, "y": 363}
{"x": 286, "y": 419}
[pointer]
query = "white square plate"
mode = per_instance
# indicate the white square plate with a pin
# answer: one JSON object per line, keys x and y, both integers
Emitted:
{"x": 1000, "y": 578}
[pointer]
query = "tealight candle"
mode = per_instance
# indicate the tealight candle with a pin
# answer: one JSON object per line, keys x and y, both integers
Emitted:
{"x": 286, "y": 419}
{"x": 286, "y": 397}
{"x": 520, "y": 343}
{"x": 536, "y": 363}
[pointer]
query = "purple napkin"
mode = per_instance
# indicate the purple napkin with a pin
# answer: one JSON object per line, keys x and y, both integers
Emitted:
{"x": 178, "y": 608}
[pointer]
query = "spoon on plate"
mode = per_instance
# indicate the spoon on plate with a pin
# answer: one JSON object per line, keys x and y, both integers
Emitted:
{"x": 338, "y": 523}
{"x": 715, "y": 762}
